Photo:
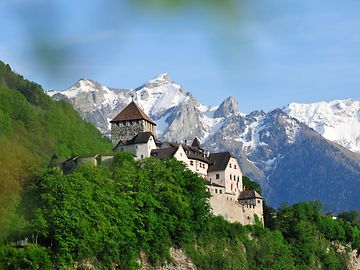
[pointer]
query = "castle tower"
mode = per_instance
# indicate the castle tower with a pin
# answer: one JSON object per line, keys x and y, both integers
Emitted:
{"x": 130, "y": 122}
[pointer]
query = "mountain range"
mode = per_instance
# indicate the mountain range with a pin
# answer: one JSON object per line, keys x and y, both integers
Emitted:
{"x": 300, "y": 152}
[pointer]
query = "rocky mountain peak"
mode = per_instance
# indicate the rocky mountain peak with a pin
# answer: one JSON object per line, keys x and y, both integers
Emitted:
{"x": 337, "y": 120}
{"x": 163, "y": 77}
{"x": 159, "y": 80}
{"x": 227, "y": 107}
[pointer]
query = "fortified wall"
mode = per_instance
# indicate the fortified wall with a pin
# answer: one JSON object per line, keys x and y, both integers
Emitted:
{"x": 227, "y": 205}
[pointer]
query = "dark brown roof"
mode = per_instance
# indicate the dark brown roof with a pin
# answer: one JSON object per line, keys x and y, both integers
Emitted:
{"x": 219, "y": 161}
{"x": 249, "y": 194}
{"x": 163, "y": 152}
{"x": 197, "y": 156}
{"x": 196, "y": 143}
{"x": 141, "y": 137}
{"x": 190, "y": 151}
{"x": 132, "y": 112}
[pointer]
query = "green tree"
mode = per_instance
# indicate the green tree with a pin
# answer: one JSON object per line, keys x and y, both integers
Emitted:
{"x": 251, "y": 185}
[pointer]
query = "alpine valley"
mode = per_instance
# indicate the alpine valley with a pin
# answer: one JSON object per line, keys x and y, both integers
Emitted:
{"x": 298, "y": 153}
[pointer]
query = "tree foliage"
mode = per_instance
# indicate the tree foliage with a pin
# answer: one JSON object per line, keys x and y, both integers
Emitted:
{"x": 251, "y": 185}
{"x": 112, "y": 215}
{"x": 33, "y": 128}
{"x": 108, "y": 216}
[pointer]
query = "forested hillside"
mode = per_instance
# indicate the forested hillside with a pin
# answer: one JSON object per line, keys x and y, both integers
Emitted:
{"x": 105, "y": 218}
{"x": 33, "y": 130}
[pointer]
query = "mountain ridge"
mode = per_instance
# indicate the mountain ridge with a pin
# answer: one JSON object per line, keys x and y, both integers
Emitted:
{"x": 264, "y": 142}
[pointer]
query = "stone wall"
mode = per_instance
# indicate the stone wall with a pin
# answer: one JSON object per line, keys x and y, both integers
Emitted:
{"x": 98, "y": 159}
{"x": 226, "y": 205}
{"x": 124, "y": 131}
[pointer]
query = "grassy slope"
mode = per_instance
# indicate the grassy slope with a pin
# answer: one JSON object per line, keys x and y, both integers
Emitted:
{"x": 34, "y": 128}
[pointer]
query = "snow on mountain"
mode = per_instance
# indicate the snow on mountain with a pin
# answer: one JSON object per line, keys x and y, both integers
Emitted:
{"x": 180, "y": 116}
{"x": 159, "y": 94}
{"x": 259, "y": 135}
{"x": 161, "y": 98}
{"x": 337, "y": 121}
{"x": 291, "y": 161}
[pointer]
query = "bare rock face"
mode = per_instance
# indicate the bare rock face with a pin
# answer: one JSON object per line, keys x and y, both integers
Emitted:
{"x": 180, "y": 262}
{"x": 187, "y": 119}
{"x": 227, "y": 107}
{"x": 354, "y": 255}
{"x": 354, "y": 263}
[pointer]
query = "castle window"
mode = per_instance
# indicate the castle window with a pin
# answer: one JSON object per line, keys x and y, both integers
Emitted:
{"x": 217, "y": 176}
{"x": 258, "y": 201}
{"x": 142, "y": 156}
{"x": 230, "y": 165}
{"x": 215, "y": 190}
{"x": 191, "y": 163}
{"x": 230, "y": 177}
{"x": 220, "y": 191}
{"x": 238, "y": 178}
{"x": 234, "y": 166}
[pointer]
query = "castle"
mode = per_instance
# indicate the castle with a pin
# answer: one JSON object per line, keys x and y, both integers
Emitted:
{"x": 135, "y": 132}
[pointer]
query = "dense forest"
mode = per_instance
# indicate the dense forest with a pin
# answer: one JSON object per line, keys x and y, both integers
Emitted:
{"x": 34, "y": 129}
{"x": 107, "y": 217}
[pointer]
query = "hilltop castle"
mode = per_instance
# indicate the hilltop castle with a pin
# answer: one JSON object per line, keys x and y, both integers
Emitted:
{"x": 135, "y": 132}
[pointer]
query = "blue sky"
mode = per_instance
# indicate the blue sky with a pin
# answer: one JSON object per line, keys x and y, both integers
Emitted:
{"x": 265, "y": 53}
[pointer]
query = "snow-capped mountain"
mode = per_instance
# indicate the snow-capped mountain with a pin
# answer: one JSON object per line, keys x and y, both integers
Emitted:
{"x": 337, "y": 121}
{"x": 178, "y": 114}
{"x": 289, "y": 159}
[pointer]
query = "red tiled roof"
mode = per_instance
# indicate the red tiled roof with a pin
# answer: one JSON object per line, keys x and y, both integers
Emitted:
{"x": 132, "y": 112}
